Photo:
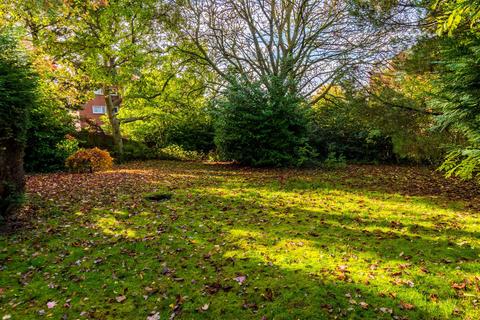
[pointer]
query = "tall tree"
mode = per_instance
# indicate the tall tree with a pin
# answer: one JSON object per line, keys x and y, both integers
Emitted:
{"x": 17, "y": 96}
{"x": 107, "y": 43}
{"x": 456, "y": 89}
{"x": 309, "y": 43}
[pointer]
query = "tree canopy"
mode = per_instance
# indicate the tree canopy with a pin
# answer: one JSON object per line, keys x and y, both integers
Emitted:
{"x": 404, "y": 70}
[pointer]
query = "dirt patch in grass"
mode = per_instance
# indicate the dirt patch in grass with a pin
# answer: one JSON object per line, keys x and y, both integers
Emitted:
{"x": 158, "y": 196}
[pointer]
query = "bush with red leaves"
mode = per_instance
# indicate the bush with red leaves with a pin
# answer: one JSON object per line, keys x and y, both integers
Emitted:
{"x": 89, "y": 160}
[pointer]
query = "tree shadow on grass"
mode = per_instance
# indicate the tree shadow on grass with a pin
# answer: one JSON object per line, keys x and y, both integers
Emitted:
{"x": 295, "y": 218}
{"x": 420, "y": 258}
{"x": 305, "y": 253}
{"x": 286, "y": 276}
{"x": 320, "y": 265}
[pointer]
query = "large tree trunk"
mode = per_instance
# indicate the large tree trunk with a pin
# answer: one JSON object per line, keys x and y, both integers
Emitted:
{"x": 114, "y": 122}
{"x": 12, "y": 175}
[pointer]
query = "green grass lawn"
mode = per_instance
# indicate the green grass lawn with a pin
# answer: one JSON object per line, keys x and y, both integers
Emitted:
{"x": 364, "y": 242}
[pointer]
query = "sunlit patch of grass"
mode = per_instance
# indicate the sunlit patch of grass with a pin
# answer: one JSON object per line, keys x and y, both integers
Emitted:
{"x": 279, "y": 244}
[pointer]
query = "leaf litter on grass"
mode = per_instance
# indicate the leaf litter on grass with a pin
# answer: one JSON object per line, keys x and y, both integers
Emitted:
{"x": 361, "y": 242}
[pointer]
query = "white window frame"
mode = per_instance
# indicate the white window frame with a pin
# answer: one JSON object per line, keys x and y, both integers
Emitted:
{"x": 97, "y": 111}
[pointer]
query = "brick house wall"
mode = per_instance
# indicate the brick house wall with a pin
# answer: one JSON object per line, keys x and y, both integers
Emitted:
{"x": 89, "y": 112}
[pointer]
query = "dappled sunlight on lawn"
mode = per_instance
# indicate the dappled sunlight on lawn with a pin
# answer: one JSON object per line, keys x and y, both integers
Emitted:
{"x": 127, "y": 171}
{"x": 405, "y": 246}
{"x": 326, "y": 267}
{"x": 111, "y": 226}
{"x": 295, "y": 253}
{"x": 280, "y": 244}
{"x": 122, "y": 224}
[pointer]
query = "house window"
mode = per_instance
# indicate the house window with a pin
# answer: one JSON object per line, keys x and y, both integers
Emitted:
{"x": 98, "y": 109}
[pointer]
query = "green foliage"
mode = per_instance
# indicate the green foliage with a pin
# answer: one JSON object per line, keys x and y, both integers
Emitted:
{"x": 396, "y": 105}
{"x": 89, "y": 160}
{"x": 193, "y": 134}
{"x": 189, "y": 130}
{"x": 58, "y": 93}
{"x": 103, "y": 44}
{"x": 18, "y": 84}
{"x": 133, "y": 150}
{"x": 51, "y": 122}
{"x": 457, "y": 95}
{"x": 334, "y": 162}
{"x": 67, "y": 147}
{"x": 451, "y": 15}
{"x": 175, "y": 152}
{"x": 262, "y": 126}
{"x": 462, "y": 163}
{"x": 339, "y": 127}
{"x": 174, "y": 101}
{"x": 17, "y": 97}
{"x": 47, "y": 144}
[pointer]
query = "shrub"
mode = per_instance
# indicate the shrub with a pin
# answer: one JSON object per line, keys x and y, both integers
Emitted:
{"x": 18, "y": 85}
{"x": 334, "y": 162}
{"x": 175, "y": 152}
{"x": 67, "y": 147}
{"x": 49, "y": 126}
{"x": 340, "y": 128}
{"x": 89, "y": 160}
{"x": 191, "y": 134}
{"x": 134, "y": 150}
{"x": 262, "y": 126}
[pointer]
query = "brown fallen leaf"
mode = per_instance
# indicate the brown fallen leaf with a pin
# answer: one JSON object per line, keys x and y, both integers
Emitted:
{"x": 268, "y": 295}
{"x": 343, "y": 268}
{"x": 406, "y": 306}
{"x": 121, "y": 298}
{"x": 154, "y": 316}
{"x": 250, "y": 305}
{"x": 424, "y": 270}
{"x": 459, "y": 286}
{"x": 177, "y": 306}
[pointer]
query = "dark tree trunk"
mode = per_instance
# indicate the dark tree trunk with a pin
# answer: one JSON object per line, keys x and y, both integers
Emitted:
{"x": 12, "y": 175}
